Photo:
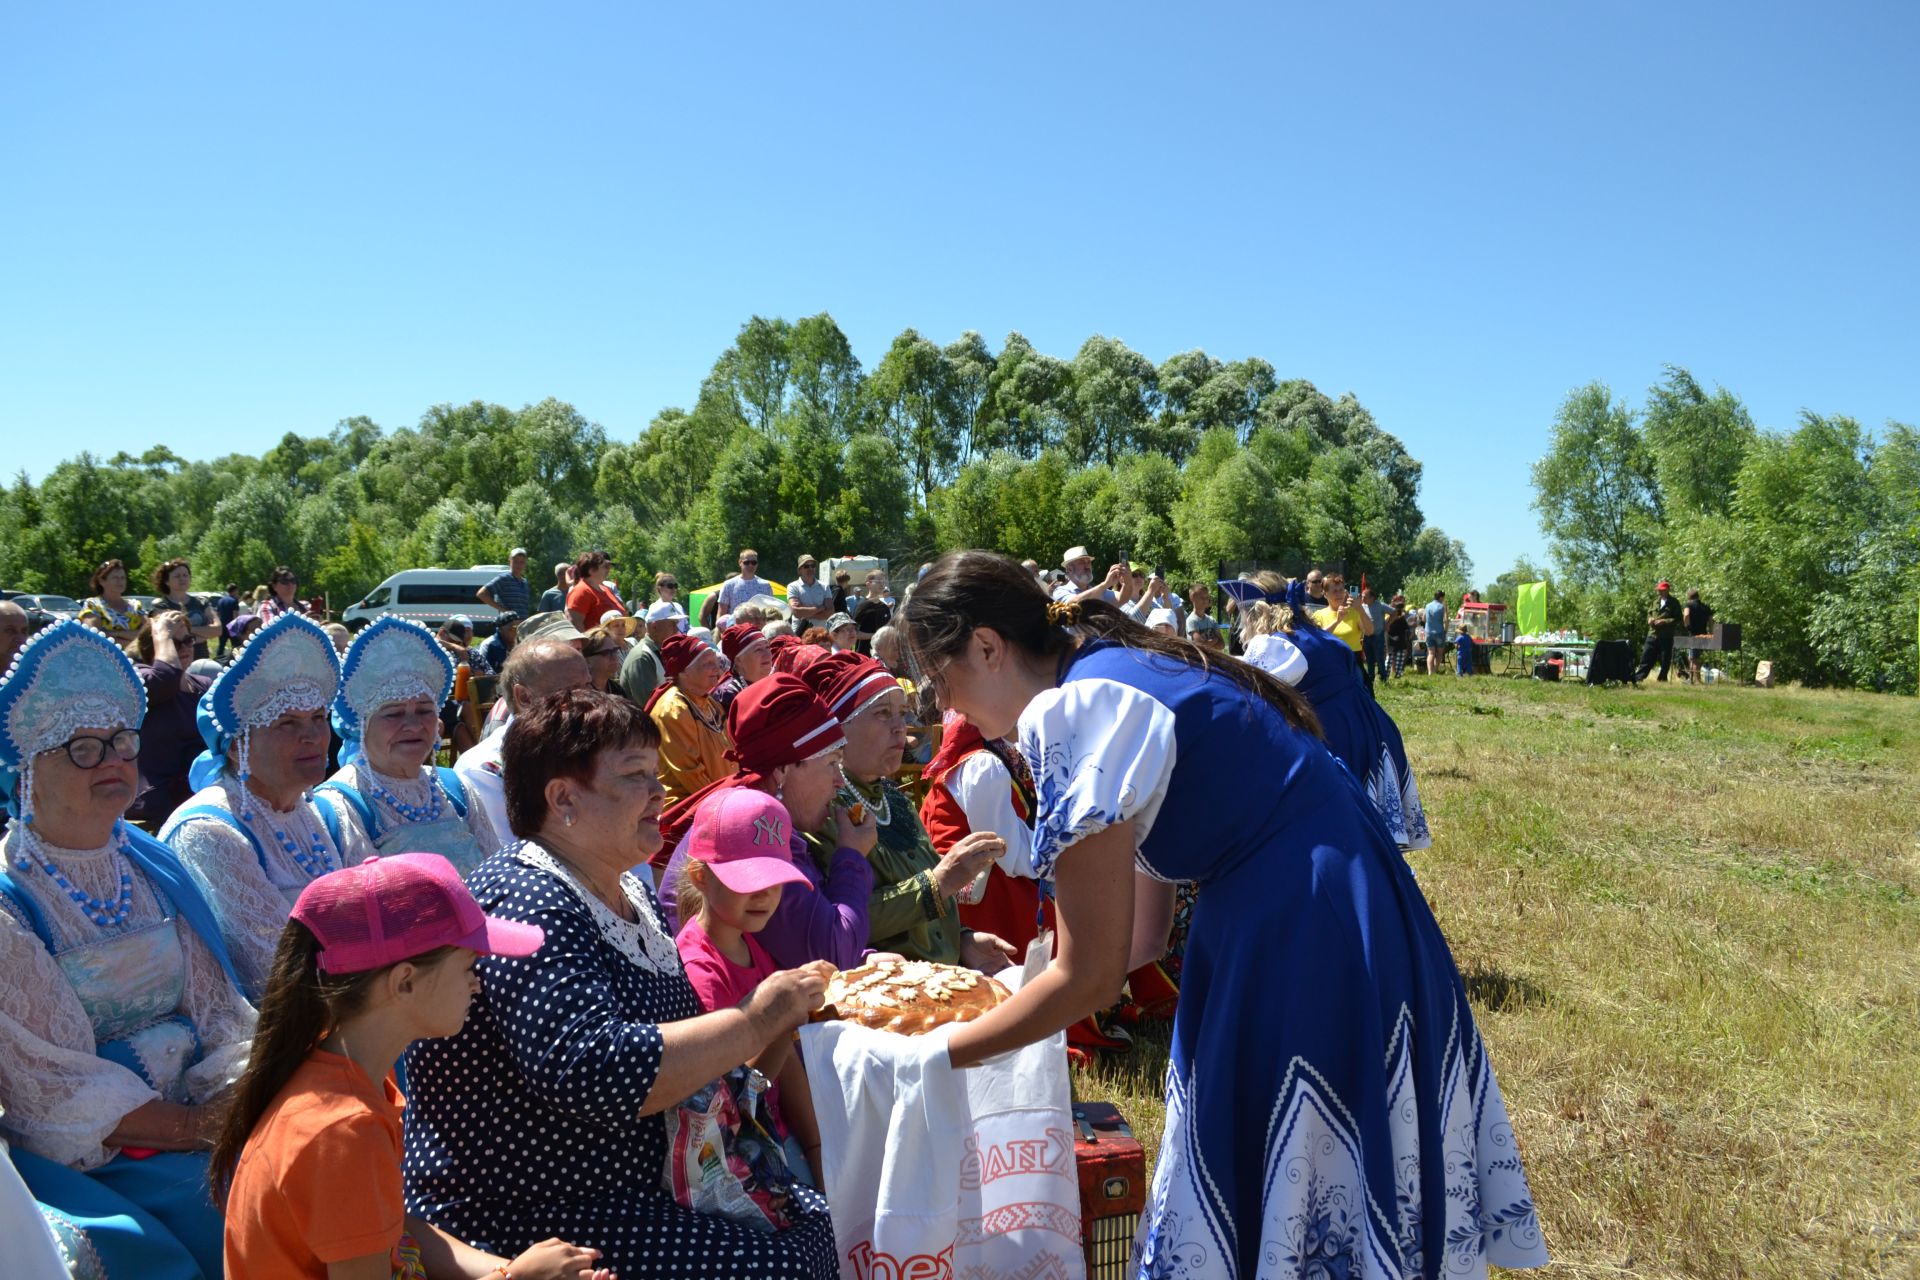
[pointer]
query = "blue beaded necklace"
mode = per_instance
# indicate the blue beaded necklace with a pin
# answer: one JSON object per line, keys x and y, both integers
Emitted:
{"x": 107, "y": 915}
{"x": 428, "y": 812}
{"x": 312, "y": 864}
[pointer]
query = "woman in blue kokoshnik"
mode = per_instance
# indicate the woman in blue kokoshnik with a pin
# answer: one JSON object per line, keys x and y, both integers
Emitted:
{"x": 253, "y": 836}
{"x": 121, "y": 1026}
{"x": 1331, "y": 1110}
{"x": 387, "y": 796}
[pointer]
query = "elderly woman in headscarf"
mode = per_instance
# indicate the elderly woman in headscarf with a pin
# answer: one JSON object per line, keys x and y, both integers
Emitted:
{"x": 913, "y": 912}
{"x": 252, "y": 835}
{"x": 693, "y": 727}
{"x": 789, "y": 745}
{"x": 387, "y": 797}
{"x": 121, "y": 1023}
{"x": 749, "y": 654}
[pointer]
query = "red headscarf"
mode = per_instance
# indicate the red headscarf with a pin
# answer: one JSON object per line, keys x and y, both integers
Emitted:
{"x": 772, "y": 722}
{"x": 793, "y": 655}
{"x": 738, "y": 638}
{"x": 677, "y": 653}
{"x": 848, "y": 681}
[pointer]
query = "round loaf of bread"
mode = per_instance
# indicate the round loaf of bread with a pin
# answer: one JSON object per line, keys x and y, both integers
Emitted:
{"x": 909, "y": 997}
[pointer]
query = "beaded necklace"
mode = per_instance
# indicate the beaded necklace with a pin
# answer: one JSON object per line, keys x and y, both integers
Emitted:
{"x": 107, "y": 915}
{"x": 428, "y": 812}
{"x": 881, "y": 808}
{"x": 312, "y": 864}
{"x": 717, "y": 724}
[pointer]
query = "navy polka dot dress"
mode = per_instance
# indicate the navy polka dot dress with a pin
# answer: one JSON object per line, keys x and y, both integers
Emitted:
{"x": 527, "y": 1124}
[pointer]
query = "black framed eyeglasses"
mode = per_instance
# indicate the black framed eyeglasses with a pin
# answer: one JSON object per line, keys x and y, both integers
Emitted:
{"x": 88, "y": 750}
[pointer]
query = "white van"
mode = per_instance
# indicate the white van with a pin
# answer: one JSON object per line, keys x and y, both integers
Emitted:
{"x": 430, "y": 596}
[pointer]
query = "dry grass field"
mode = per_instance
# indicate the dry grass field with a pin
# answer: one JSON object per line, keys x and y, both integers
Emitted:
{"x": 1689, "y": 920}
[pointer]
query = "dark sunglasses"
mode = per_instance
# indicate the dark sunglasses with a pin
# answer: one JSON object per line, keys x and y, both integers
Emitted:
{"x": 749, "y": 561}
{"x": 669, "y": 585}
{"x": 87, "y": 751}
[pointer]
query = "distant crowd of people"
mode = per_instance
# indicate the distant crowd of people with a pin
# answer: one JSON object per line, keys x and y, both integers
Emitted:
{"x": 240, "y": 901}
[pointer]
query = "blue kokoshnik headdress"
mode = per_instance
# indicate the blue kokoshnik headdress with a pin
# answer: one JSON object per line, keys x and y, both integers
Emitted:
{"x": 288, "y": 665}
{"x": 65, "y": 678}
{"x": 394, "y": 660}
{"x": 1245, "y": 592}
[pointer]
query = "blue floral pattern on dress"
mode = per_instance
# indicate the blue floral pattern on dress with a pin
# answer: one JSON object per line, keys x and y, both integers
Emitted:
{"x": 1068, "y": 812}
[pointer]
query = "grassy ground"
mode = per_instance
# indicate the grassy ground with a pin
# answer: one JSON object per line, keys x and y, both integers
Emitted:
{"x": 1689, "y": 920}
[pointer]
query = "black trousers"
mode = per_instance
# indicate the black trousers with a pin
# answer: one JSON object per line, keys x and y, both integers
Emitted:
{"x": 1658, "y": 649}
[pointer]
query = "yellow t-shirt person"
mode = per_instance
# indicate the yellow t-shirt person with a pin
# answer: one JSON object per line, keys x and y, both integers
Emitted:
{"x": 1345, "y": 624}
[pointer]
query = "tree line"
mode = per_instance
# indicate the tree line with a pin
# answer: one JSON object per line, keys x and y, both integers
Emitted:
{"x": 1809, "y": 538}
{"x": 790, "y": 446}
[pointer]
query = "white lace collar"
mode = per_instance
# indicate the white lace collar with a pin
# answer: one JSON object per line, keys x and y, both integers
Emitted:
{"x": 645, "y": 941}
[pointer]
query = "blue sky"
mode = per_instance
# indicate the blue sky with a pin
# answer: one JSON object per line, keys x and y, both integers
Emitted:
{"x": 222, "y": 223}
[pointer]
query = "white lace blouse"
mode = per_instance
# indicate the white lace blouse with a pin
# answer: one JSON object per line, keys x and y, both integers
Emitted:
{"x": 60, "y": 1098}
{"x": 251, "y": 901}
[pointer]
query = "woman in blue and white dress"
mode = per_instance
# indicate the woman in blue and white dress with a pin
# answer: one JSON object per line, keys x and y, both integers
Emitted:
{"x": 386, "y": 795}
{"x": 1331, "y": 1110}
{"x": 1283, "y": 641}
{"x": 120, "y": 1021}
{"x": 252, "y": 835}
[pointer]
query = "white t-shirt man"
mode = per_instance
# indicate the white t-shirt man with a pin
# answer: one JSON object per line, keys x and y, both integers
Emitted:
{"x": 740, "y": 588}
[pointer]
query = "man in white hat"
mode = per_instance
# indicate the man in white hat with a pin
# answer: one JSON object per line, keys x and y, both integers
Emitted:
{"x": 1078, "y": 564}
{"x": 641, "y": 671}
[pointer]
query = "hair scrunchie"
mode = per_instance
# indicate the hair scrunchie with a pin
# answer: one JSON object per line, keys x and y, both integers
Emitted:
{"x": 1063, "y": 613}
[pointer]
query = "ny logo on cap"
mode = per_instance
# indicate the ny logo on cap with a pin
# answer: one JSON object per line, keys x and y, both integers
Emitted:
{"x": 768, "y": 831}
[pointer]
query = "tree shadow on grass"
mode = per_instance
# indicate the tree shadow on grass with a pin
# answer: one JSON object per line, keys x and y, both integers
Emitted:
{"x": 1502, "y": 992}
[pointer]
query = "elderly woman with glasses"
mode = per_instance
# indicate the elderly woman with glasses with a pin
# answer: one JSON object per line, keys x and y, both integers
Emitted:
{"x": 387, "y": 796}
{"x": 693, "y": 726}
{"x": 121, "y": 1025}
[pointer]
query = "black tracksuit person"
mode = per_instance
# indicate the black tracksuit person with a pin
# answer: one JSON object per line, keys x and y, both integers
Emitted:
{"x": 1661, "y": 624}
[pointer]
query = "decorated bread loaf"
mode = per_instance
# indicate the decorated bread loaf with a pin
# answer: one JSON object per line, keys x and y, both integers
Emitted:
{"x": 909, "y": 996}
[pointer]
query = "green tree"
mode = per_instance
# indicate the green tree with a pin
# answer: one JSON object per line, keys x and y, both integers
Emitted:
{"x": 1698, "y": 443}
{"x": 1115, "y": 395}
{"x": 970, "y": 369}
{"x": 1597, "y": 492}
{"x": 914, "y": 391}
{"x": 826, "y": 376}
{"x": 1028, "y": 396}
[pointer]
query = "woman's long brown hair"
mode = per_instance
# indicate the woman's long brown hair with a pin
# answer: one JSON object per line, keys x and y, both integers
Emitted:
{"x": 969, "y": 589}
{"x": 301, "y": 1006}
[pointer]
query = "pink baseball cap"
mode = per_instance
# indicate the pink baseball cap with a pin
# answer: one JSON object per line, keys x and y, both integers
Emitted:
{"x": 742, "y": 834}
{"x": 391, "y": 909}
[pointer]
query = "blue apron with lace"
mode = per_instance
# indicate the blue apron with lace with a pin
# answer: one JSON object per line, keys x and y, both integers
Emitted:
{"x": 328, "y": 819}
{"x": 151, "y": 1217}
{"x": 447, "y": 835}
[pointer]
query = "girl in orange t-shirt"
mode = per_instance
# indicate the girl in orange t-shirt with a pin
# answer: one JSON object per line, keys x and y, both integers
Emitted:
{"x": 375, "y": 957}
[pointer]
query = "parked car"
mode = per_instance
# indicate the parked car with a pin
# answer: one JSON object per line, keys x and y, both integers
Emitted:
{"x": 45, "y": 610}
{"x": 430, "y": 596}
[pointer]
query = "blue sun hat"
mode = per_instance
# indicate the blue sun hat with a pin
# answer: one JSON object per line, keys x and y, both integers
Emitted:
{"x": 65, "y": 678}
{"x": 394, "y": 660}
{"x": 288, "y": 665}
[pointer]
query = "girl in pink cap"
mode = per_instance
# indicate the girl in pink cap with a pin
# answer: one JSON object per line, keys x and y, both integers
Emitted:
{"x": 738, "y": 865}
{"x": 375, "y": 957}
